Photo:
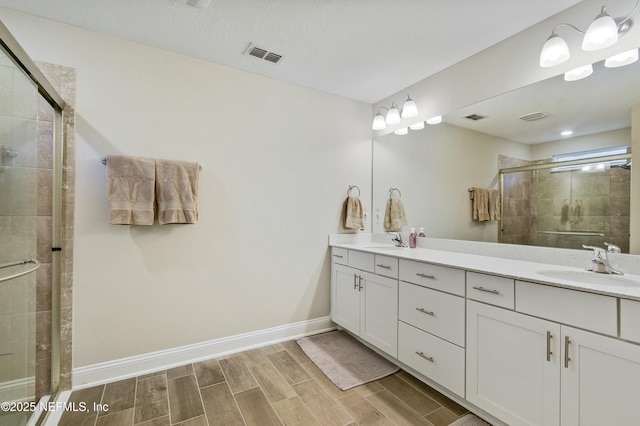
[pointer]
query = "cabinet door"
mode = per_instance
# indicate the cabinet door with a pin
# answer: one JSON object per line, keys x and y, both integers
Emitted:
{"x": 379, "y": 320}
{"x": 345, "y": 303}
{"x": 513, "y": 364}
{"x": 600, "y": 380}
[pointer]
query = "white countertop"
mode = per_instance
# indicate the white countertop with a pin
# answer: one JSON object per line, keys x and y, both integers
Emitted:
{"x": 626, "y": 286}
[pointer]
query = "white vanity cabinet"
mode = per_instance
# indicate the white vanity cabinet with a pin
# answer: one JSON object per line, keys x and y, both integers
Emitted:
{"x": 364, "y": 303}
{"x": 535, "y": 370}
{"x": 513, "y": 365}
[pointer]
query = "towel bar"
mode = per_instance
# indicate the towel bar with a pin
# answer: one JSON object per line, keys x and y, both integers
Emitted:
{"x": 19, "y": 274}
{"x": 104, "y": 161}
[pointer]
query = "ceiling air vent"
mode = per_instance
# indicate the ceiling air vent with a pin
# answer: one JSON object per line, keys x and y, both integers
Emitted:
{"x": 262, "y": 53}
{"x": 475, "y": 117}
{"x": 534, "y": 116}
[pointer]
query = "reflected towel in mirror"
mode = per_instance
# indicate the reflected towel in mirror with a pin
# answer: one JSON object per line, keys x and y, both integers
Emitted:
{"x": 485, "y": 205}
{"x": 394, "y": 216}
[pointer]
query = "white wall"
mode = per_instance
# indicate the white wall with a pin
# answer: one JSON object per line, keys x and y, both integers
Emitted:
{"x": 278, "y": 159}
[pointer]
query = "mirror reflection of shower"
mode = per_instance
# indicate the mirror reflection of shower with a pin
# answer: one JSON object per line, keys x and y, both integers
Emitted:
{"x": 568, "y": 203}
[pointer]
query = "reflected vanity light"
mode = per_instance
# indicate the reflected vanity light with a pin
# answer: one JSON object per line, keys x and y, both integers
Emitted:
{"x": 394, "y": 115}
{"x": 578, "y": 73}
{"x": 566, "y": 133}
{"x": 435, "y": 120}
{"x": 417, "y": 126}
{"x": 604, "y": 31}
{"x": 401, "y": 132}
{"x": 622, "y": 59}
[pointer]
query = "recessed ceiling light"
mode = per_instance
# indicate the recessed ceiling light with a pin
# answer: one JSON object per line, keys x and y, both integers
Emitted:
{"x": 567, "y": 133}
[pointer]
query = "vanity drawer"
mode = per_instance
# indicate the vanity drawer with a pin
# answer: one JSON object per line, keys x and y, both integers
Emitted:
{"x": 585, "y": 310}
{"x": 361, "y": 260}
{"x": 437, "y": 359}
{"x": 630, "y": 320}
{"x": 437, "y": 277}
{"x": 340, "y": 255}
{"x": 386, "y": 266}
{"x": 490, "y": 289}
{"x": 433, "y": 311}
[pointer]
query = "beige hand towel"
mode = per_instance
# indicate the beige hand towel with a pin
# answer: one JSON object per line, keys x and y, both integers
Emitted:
{"x": 486, "y": 204}
{"x": 177, "y": 191}
{"x": 394, "y": 216}
{"x": 354, "y": 213}
{"x": 130, "y": 189}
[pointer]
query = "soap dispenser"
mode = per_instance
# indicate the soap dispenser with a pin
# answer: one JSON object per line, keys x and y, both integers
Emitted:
{"x": 412, "y": 238}
{"x": 421, "y": 233}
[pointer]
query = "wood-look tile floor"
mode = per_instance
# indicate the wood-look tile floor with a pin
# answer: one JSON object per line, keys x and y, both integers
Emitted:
{"x": 273, "y": 385}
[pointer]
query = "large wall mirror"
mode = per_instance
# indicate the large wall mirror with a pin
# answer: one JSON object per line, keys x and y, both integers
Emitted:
{"x": 433, "y": 168}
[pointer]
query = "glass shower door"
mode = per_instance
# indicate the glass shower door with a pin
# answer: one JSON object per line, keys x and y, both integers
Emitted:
{"x": 26, "y": 144}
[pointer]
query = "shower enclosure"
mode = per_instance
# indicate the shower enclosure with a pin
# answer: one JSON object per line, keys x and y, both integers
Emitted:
{"x": 567, "y": 204}
{"x": 30, "y": 223}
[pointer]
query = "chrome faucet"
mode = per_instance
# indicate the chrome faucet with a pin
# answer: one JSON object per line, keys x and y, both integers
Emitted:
{"x": 397, "y": 238}
{"x": 600, "y": 259}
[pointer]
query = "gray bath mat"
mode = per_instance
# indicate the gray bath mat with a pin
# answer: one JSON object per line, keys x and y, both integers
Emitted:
{"x": 470, "y": 420}
{"x": 344, "y": 360}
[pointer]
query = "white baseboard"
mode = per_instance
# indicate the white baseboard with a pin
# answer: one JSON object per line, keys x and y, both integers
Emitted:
{"x": 123, "y": 368}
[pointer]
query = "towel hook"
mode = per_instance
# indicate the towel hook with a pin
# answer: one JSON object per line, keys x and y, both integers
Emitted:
{"x": 351, "y": 187}
{"x": 394, "y": 189}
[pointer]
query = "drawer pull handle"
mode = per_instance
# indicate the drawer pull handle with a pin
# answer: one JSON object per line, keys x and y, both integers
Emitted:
{"x": 384, "y": 266}
{"x": 355, "y": 281}
{"x": 431, "y": 277}
{"x": 549, "y": 353}
{"x": 486, "y": 290}
{"x": 567, "y": 342}
{"x": 428, "y": 358}
{"x": 424, "y": 311}
{"x": 339, "y": 256}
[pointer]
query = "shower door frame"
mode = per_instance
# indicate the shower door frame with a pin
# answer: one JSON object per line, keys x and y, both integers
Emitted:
{"x": 13, "y": 49}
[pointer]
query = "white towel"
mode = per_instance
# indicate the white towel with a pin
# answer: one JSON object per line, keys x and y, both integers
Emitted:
{"x": 130, "y": 189}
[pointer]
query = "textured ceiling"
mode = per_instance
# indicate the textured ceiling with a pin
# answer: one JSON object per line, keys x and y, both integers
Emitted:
{"x": 360, "y": 49}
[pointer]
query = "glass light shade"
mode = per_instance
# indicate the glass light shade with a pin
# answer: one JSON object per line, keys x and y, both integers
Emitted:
{"x": 417, "y": 126}
{"x": 402, "y": 132}
{"x": 393, "y": 115}
{"x": 409, "y": 109}
{"x": 378, "y": 122}
{"x": 578, "y": 73}
{"x": 435, "y": 120}
{"x": 554, "y": 52}
{"x": 622, "y": 59}
{"x": 603, "y": 32}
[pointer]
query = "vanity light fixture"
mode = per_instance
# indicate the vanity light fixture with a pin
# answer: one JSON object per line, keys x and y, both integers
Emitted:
{"x": 578, "y": 73}
{"x": 394, "y": 115}
{"x": 603, "y": 32}
{"x": 566, "y": 133}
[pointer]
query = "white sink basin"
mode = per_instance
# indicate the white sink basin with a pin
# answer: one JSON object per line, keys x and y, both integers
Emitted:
{"x": 587, "y": 277}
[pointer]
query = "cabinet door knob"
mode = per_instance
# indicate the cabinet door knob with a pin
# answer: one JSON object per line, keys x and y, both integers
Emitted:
{"x": 549, "y": 353}
{"x": 424, "y": 311}
{"x": 428, "y": 358}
